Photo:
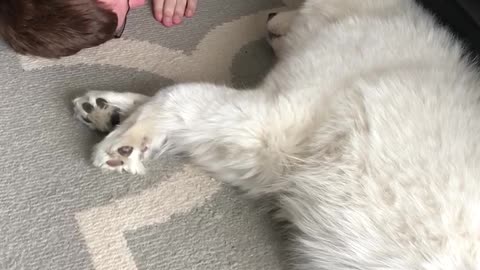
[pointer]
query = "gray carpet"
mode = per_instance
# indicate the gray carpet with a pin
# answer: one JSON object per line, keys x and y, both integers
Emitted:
{"x": 58, "y": 212}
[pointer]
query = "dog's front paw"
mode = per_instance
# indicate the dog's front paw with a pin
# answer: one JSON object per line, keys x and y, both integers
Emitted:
{"x": 96, "y": 112}
{"x": 122, "y": 152}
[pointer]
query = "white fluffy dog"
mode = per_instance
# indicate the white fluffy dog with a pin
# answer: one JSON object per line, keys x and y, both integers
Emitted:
{"x": 366, "y": 134}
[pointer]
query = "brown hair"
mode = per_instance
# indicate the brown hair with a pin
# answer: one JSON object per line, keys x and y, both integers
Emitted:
{"x": 55, "y": 28}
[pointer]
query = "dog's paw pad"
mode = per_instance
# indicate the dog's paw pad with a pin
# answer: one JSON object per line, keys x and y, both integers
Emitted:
{"x": 87, "y": 107}
{"x": 101, "y": 103}
{"x": 114, "y": 163}
{"x": 125, "y": 151}
{"x": 271, "y": 15}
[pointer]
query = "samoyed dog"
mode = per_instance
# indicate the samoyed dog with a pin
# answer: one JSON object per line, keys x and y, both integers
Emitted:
{"x": 366, "y": 134}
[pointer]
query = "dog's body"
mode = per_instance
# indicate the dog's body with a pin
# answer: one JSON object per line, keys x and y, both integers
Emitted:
{"x": 366, "y": 133}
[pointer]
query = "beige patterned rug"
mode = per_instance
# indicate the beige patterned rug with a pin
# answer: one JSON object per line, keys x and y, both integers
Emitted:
{"x": 58, "y": 212}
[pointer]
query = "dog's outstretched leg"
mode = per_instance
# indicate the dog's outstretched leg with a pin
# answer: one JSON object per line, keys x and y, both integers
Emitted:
{"x": 234, "y": 135}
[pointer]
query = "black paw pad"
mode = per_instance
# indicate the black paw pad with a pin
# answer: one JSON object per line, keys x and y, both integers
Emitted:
{"x": 115, "y": 118}
{"x": 86, "y": 120}
{"x": 101, "y": 103}
{"x": 271, "y": 15}
{"x": 87, "y": 107}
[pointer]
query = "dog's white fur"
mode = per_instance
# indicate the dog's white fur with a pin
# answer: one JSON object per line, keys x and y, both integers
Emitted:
{"x": 366, "y": 134}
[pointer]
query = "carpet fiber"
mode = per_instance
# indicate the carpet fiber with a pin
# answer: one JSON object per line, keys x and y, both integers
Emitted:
{"x": 59, "y": 212}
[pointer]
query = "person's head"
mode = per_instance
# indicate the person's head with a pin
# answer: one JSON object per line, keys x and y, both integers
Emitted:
{"x": 57, "y": 28}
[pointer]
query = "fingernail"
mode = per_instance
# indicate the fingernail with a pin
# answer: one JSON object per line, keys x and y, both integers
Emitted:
{"x": 159, "y": 16}
{"x": 189, "y": 13}
{"x": 167, "y": 21}
{"x": 177, "y": 19}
